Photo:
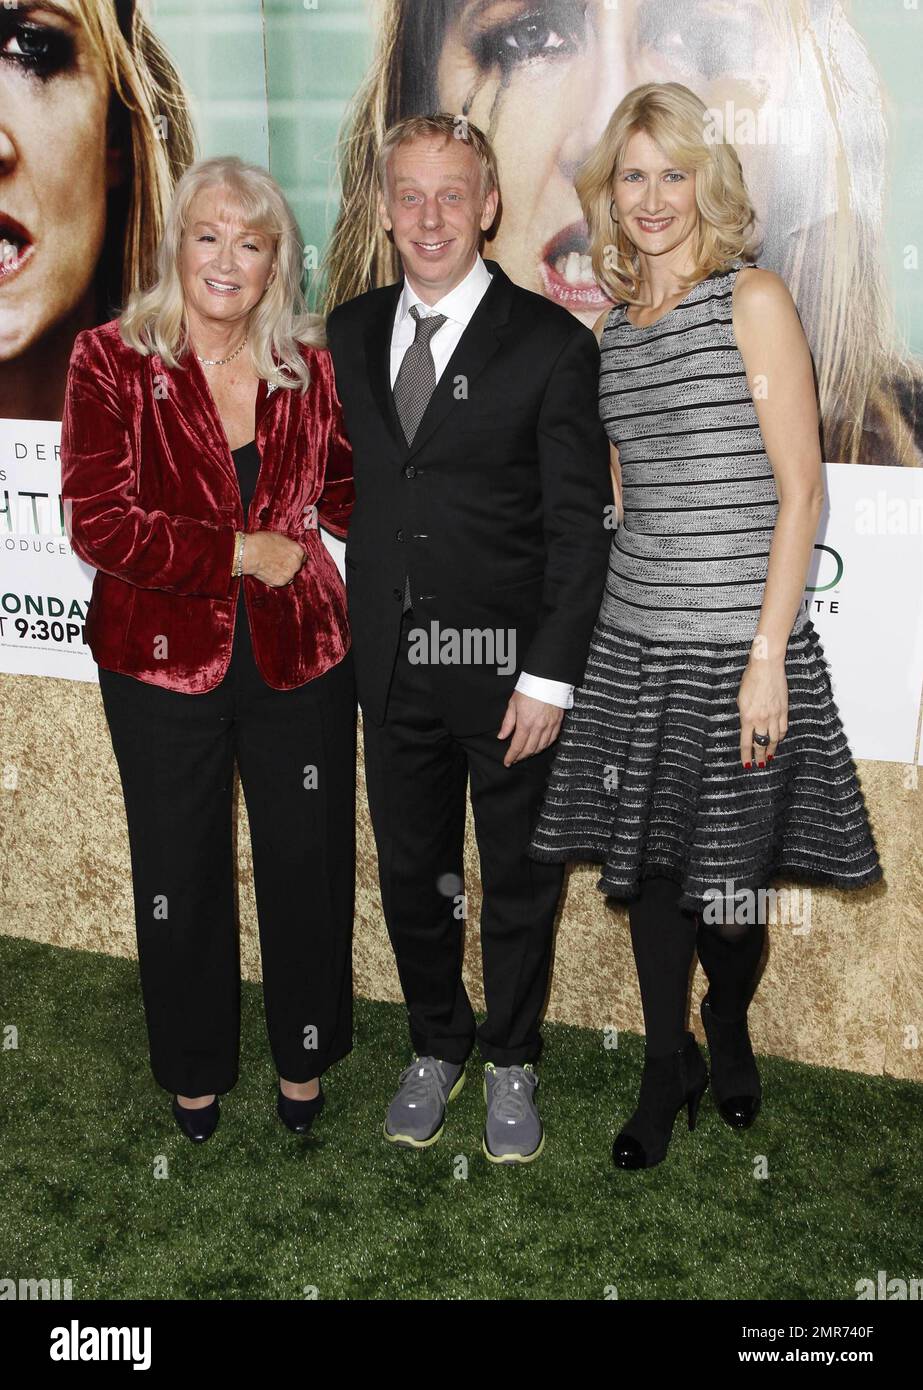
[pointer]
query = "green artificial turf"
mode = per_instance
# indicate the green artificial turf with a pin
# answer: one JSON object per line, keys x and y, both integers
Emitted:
{"x": 260, "y": 1213}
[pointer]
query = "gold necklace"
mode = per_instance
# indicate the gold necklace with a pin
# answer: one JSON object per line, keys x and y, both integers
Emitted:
{"x": 220, "y": 361}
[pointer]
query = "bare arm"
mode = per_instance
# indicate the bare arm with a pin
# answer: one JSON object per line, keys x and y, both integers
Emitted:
{"x": 778, "y": 366}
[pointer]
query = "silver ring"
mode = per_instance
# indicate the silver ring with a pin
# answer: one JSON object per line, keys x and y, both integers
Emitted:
{"x": 762, "y": 739}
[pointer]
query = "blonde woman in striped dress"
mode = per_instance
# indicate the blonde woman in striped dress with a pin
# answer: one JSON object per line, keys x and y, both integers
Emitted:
{"x": 703, "y": 755}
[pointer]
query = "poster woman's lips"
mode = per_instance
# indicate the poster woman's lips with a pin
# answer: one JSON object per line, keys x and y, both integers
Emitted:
{"x": 16, "y": 247}
{"x": 567, "y": 271}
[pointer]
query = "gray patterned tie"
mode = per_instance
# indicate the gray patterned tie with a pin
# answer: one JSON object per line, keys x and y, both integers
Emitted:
{"x": 413, "y": 386}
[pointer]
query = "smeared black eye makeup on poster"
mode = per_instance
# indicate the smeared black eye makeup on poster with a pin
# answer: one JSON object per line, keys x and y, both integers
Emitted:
{"x": 38, "y": 50}
{"x": 500, "y": 39}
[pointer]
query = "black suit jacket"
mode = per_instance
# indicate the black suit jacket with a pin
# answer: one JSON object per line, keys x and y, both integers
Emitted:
{"x": 497, "y": 510}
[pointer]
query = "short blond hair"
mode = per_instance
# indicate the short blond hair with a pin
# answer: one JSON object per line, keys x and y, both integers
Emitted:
{"x": 441, "y": 124}
{"x": 679, "y": 122}
{"x": 155, "y": 320}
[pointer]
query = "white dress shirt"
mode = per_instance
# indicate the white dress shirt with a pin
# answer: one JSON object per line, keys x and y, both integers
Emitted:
{"x": 458, "y": 306}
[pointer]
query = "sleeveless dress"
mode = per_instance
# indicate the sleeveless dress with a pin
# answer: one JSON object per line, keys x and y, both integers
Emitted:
{"x": 647, "y": 778}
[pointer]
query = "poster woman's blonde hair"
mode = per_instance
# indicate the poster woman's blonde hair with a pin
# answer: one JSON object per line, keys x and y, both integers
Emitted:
{"x": 150, "y": 113}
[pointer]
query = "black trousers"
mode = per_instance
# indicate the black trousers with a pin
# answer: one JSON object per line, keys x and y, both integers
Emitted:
{"x": 296, "y": 752}
{"x": 417, "y": 773}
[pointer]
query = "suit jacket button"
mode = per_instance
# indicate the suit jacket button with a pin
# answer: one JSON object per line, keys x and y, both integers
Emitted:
{"x": 410, "y": 471}
{"x": 398, "y": 593}
{"x": 399, "y": 535}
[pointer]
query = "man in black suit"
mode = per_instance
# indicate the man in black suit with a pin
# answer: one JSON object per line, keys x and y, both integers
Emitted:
{"x": 475, "y": 564}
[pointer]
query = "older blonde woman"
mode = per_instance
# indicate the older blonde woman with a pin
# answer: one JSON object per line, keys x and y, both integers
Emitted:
{"x": 704, "y": 754}
{"x": 201, "y": 445}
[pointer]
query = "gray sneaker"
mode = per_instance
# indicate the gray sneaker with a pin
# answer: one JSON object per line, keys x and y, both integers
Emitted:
{"x": 416, "y": 1115}
{"x": 513, "y": 1132}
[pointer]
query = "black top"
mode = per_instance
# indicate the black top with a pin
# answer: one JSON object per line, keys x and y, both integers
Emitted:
{"x": 247, "y": 462}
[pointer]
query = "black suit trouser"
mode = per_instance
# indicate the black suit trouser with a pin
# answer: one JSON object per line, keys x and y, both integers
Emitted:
{"x": 176, "y": 756}
{"x": 417, "y": 773}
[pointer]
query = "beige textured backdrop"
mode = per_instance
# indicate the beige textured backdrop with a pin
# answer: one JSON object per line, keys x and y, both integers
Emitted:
{"x": 848, "y": 993}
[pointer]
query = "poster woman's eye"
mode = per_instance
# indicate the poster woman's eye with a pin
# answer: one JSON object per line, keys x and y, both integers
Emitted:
{"x": 41, "y": 50}
{"x": 706, "y": 39}
{"x": 551, "y": 30}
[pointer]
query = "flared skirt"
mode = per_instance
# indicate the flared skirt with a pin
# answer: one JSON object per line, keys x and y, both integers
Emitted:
{"x": 647, "y": 778}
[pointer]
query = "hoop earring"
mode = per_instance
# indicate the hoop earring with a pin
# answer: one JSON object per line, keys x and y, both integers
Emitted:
{"x": 612, "y": 215}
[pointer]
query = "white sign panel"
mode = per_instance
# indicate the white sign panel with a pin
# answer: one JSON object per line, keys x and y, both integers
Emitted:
{"x": 44, "y": 588}
{"x": 865, "y": 601}
{"x": 864, "y": 596}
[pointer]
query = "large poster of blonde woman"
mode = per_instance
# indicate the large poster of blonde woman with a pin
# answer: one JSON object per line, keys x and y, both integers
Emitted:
{"x": 103, "y": 103}
{"x": 830, "y": 154}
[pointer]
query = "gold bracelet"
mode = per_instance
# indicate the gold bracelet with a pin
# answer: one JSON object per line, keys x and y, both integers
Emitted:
{"x": 238, "y": 567}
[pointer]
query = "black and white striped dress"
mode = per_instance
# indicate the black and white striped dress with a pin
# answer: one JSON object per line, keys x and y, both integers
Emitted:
{"x": 647, "y": 778}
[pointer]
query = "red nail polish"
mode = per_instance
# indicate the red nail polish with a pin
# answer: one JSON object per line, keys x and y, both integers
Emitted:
{"x": 746, "y": 764}
{"x": 761, "y": 764}
{"x": 769, "y": 757}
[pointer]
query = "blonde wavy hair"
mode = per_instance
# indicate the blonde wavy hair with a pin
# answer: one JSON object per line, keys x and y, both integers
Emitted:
{"x": 155, "y": 319}
{"x": 677, "y": 121}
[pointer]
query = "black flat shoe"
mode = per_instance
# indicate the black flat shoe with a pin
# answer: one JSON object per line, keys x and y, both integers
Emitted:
{"x": 197, "y": 1125}
{"x": 299, "y": 1115}
{"x": 735, "y": 1080}
{"x": 667, "y": 1084}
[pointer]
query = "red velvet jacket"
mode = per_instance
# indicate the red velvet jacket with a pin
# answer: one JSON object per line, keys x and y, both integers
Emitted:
{"x": 154, "y": 503}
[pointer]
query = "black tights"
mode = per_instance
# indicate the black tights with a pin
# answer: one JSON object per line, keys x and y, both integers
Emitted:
{"x": 664, "y": 940}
